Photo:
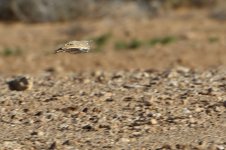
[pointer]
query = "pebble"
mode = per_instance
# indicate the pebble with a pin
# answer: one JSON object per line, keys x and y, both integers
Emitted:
{"x": 136, "y": 134}
{"x": 127, "y": 98}
{"x": 224, "y": 103}
{"x": 154, "y": 121}
{"x": 87, "y": 127}
{"x": 220, "y": 147}
{"x": 186, "y": 111}
{"x": 192, "y": 120}
{"x": 125, "y": 140}
{"x": 198, "y": 109}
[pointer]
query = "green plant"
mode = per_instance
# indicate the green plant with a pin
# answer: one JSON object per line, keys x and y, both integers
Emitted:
{"x": 162, "y": 40}
{"x": 133, "y": 44}
{"x": 153, "y": 42}
{"x": 101, "y": 41}
{"x": 168, "y": 40}
{"x": 213, "y": 39}
{"x": 120, "y": 45}
{"x": 11, "y": 51}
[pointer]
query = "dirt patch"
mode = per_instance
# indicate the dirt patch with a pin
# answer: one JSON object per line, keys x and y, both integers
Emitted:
{"x": 189, "y": 39}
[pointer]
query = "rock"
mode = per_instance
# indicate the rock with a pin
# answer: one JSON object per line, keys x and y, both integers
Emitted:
{"x": 218, "y": 109}
{"x": 87, "y": 127}
{"x": 52, "y": 146}
{"x": 125, "y": 140}
{"x": 109, "y": 99}
{"x": 192, "y": 120}
{"x": 224, "y": 103}
{"x": 20, "y": 83}
{"x": 198, "y": 109}
{"x": 186, "y": 111}
{"x": 107, "y": 127}
{"x": 127, "y": 98}
{"x": 220, "y": 147}
{"x": 157, "y": 115}
{"x": 154, "y": 121}
{"x": 136, "y": 134}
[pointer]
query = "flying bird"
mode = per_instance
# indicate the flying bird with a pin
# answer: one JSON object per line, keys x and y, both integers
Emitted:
{"x": 75, "y": 47}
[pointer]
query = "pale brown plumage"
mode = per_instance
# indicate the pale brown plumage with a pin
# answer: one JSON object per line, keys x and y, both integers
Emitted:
{"x": 75, "y": 47}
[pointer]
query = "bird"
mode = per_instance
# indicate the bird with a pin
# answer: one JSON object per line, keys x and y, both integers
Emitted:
{"x": 75, "y": 47}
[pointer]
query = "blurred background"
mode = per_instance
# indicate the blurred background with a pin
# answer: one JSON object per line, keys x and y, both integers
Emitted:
{"x": 127, "y": 34}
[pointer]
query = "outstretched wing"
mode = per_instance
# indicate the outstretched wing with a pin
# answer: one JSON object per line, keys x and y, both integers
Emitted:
{"x": 75, "y": 47}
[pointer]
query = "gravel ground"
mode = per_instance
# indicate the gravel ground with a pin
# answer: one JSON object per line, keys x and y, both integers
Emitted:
{"x": 178, "y": 108}
{"x": 163, "y": 96}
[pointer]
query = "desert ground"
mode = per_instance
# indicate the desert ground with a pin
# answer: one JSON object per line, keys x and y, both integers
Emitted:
{"x": 148, "y": 83}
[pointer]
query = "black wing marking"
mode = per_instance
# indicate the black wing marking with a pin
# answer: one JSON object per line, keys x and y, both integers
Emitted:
{"x": 76, "y": 50}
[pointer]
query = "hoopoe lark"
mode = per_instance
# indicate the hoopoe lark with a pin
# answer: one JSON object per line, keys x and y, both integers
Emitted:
{"x": 75, "y": 47}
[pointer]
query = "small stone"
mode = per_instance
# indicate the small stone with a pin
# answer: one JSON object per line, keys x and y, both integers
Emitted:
{"x": 52, "y": 146}
{"x": 64, "y": 126}
{"x": 192, "y": 120}
{"x": 157, "y": 115}
{"x": 136, "y": 134}
{"x": 186, "y": 111}
{"x": 166, "y": 146}
{"x": 107, "y": 127}
{"x": 224, "y": 103}
{"x": 110, "y": 99}
{"x": 154, "y": 121}
{"x": 198, "y": 109}
{"x": 20, "y": 83}
{"x": 184, "y": 101}
{"x": 97, "y": 73}
{"x": 82, "y": 93}
{"x": 108, "y": 94}
{"x": 87, "y": 127}
{"x": 34, "y": 133}
{"x": 125, "y": 140}
{"x": 220, "y": 147}
{"x": 127, "y": 98}
{"x": 218, "y": 109}
{"x": 86, "y": 81}
{"x": 41, "y": 133}
{"x": 66, "y": 142}
{"x": 182, "y": 69}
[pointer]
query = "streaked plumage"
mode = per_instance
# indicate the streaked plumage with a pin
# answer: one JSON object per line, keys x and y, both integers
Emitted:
{"x": 75, "y": 47}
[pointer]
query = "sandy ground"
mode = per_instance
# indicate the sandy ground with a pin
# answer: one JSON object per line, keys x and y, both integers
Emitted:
{"x": 163, "y": 96}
